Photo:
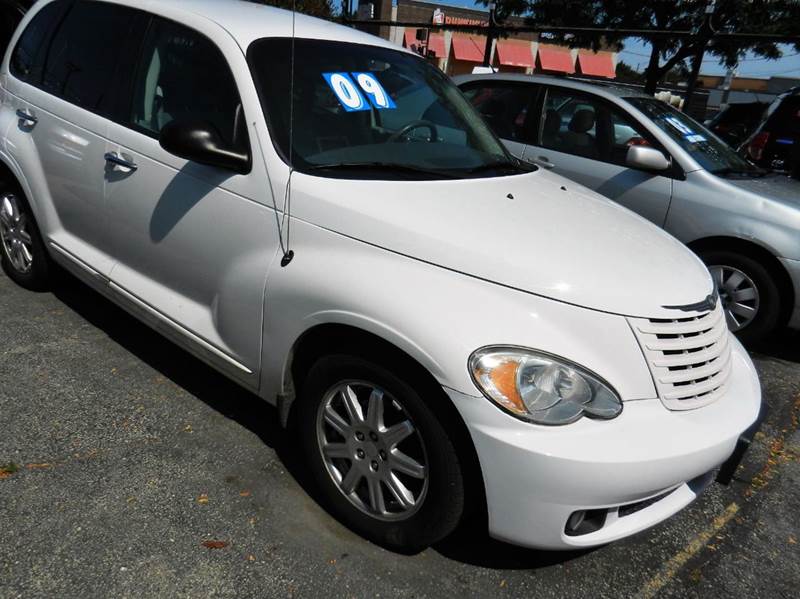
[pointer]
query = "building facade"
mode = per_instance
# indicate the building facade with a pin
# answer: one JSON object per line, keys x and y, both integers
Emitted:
{"x": 458, "y": 52}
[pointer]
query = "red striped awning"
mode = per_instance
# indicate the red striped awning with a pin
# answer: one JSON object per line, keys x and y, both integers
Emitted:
{"x": 468, "y": 48}
{"x": 514, "y": 54}
{"x": 410, "y": 38}
{"x": 599, "y": 64}
{"x": 436, "y": 45}
{"x": 435, "y": 42}
{"x": 553, "y": 58}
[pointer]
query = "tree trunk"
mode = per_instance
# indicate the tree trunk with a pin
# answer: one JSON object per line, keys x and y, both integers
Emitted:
{"x": 653, "y": 73}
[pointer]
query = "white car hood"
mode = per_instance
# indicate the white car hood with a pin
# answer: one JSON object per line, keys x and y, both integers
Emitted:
{"x": 537, "y": 233}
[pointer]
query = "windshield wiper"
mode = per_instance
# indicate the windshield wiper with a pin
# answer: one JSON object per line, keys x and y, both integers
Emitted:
{"x": 385, "y": 166}
{"x": 748, "y": 172}
{"x": 513, "y": 165}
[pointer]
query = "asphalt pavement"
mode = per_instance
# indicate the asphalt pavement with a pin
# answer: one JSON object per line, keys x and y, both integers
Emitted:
{"x": 130, "y": 469}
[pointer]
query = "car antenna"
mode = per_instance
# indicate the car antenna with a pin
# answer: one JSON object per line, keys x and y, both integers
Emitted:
{"x": 288, "y": 254}
{"x": 283, "y": 221}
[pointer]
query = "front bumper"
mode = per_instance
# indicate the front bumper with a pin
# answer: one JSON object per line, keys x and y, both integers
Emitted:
{"x": 536, "y": 476}
{"x": 793, "y": 268}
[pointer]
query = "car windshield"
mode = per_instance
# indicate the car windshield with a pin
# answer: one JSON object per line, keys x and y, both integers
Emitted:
{"x": 363, "y": 111}
{"x": 707, "y": 149}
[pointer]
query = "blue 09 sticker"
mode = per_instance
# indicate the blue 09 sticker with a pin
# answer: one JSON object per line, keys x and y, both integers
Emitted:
{"x": 348, "y": 88}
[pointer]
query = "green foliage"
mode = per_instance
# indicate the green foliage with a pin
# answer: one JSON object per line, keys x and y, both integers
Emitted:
{"x": 779, "y": 17}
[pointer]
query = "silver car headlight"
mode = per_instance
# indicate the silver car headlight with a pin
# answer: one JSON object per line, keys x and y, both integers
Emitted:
{"x": 541, "y": 388}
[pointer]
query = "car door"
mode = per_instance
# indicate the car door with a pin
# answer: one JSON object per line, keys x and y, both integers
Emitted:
{"x": 61, "y": 74}
{"x": 192, "y": 243}
{"x": 586, "y": 139}
{"x": 507, "y": 107}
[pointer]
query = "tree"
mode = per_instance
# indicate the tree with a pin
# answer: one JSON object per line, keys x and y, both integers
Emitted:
{"x": 316, "y": 8}
{"x": 627, "y": 74}
{"x": 778, "y": 17}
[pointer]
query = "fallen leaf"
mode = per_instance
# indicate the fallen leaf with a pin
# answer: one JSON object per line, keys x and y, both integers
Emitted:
{"x": 38, "y": 466}
{"x": 203, "y": 499}
{"x": 8, "y": 470}
{"x": 251, "y": 558}
{"x": 253, "y": 521}
{"x": 332, "y": 562}
{"x": 244, "y": 493}
{"x": 215, "y": 544}
{"x": 187, "y": 428}
{"x": 792, "y": 540}
{"x": 502, "y": 583}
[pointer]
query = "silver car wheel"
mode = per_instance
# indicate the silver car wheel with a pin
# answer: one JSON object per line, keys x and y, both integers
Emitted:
{"x": 14, "y": 234}
{"x": 738, "y": 295}
{"x": 381, "y": 469}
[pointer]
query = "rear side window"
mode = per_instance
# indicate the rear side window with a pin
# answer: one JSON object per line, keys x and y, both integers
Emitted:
{"x": 29, "y": 53}
{"x": 82, "y": 57}
{"x": 505, "y": 106}
{"x": 786, "y": 119}
{"x": 183, "y": 76}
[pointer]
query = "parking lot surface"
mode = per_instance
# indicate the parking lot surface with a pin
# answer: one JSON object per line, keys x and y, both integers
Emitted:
{"x": 130, "y": 469}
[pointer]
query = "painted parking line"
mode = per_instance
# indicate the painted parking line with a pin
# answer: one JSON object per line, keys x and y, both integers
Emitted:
{"x": 668, "y": 571}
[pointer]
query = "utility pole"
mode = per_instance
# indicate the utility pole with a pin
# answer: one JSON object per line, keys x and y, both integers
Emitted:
{"x": 726, "y": 87}
{"x": 490, "y": 35}
{"x": 704, "y": 32}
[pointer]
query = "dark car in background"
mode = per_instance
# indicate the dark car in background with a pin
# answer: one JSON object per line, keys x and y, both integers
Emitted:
{"x": 775, "y": 142}
{"x": 11, "y": 13}
{"x": 736, "y": 122}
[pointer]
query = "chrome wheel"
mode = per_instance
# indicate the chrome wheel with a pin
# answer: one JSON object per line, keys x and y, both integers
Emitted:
{"x": 738, "y": 295}
{"x": 14, "y": 234}
{"x": 372, "y": 450}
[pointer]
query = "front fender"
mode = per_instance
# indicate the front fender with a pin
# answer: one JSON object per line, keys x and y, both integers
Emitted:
{"x": 702, "y": 208}
{"x": 437, "y": 316}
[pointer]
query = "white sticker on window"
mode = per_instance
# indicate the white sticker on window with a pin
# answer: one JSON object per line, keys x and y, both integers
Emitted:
{"x": 346, "y": 92}
{"x": 374, "y": 90}
{"x": 695, "y": 139}
{"x": 678, "y": 125}
{"x": 351, "y": 98}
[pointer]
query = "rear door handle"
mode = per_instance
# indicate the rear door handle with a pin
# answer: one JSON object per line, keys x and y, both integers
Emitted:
{"x": 118, "y": 160}
{"x": 27, "y": 117}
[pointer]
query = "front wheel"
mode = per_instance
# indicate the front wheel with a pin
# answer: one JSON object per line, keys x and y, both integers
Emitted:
{"x": 379, "y": 456}
{"x": 748, "y": 293}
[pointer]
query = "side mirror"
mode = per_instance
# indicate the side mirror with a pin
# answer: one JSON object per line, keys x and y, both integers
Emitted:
{"x": 199, "y": 141}
{"x": 648, "y": 159}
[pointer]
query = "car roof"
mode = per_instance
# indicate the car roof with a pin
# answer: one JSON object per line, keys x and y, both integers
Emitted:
{"x": 249, "y": 21}
{"x": 600, "y": 88}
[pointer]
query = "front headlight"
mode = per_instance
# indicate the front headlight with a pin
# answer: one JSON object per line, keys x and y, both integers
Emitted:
{"x": 541, "y": 388}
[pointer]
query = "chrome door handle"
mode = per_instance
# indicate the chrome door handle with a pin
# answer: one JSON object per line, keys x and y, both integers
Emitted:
{"x": 27, "y": 117}
{"x": 118, "y": 160}
{"x": 544, "y": 162}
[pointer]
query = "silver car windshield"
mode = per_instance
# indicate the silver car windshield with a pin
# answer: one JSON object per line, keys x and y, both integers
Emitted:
{"x": 705, "y": 147}
{"x": 363, "y": 111}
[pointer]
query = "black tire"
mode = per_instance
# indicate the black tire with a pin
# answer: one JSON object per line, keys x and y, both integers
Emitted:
{"x": 37, "y": 277}
{"x": 770, "y": 308}
{"x": 442, "y": 506}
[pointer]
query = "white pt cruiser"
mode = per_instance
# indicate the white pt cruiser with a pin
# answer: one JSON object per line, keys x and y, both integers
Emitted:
{"x": 326, "y": 220}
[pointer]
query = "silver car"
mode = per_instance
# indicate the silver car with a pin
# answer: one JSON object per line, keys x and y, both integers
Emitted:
{"x": 642, "y": 153}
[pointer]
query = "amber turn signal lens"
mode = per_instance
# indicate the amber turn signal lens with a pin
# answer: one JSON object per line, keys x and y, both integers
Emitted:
{"x": 504, "y": 379}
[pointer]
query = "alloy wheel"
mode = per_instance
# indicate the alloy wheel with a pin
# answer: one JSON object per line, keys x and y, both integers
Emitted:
{"x": 14, "y": 234}
{"x": 372, "y": 450}
{"x": 738, "y": 294}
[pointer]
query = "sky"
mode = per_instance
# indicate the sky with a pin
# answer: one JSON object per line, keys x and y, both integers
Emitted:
{"x": 637, "y": 53}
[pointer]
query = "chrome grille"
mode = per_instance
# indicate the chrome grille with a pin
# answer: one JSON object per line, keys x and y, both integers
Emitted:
{"x": 689, "y": 357}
